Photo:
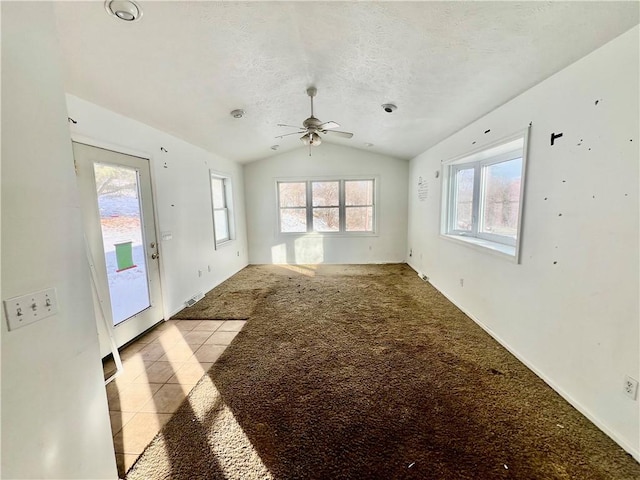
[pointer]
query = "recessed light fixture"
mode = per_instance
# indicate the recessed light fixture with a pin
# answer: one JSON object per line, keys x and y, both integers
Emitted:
{"x": 237, "y": 113}
{"x": 275, "y": 147}
{"x": 389, "y": 107}
{"x": 125, "y": 10}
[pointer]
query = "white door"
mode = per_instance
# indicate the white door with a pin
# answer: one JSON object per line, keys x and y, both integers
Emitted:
{"x": 117, "y": 209}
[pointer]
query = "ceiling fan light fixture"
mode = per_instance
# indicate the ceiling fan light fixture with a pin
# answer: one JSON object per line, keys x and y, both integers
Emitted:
{"x": 311, "y": 138}
{"x": 125, "y": 10}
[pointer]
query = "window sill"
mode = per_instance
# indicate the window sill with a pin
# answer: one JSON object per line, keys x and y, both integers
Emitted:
{"x": 222, "y": 244}
{"x": 499, "y": 249}
{"x": 328, "y": 234}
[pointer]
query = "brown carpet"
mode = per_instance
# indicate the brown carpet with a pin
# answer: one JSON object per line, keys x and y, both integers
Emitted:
{"x": 367, "y": 372}
{"x": 228, "y": 301}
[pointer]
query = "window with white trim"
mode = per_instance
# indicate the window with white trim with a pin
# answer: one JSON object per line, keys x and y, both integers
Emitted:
{"x": 222, "y": 203}
{"x": 484, "y": 196}
{"x": 326, "y": 206}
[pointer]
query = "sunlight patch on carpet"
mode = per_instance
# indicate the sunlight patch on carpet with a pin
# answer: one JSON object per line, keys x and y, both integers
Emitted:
{"x": 236, "y": 456}
{"x": 307, "y": 270}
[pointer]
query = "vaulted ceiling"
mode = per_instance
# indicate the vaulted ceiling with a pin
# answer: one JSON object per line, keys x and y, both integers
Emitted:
{"x": 185, "y": 65}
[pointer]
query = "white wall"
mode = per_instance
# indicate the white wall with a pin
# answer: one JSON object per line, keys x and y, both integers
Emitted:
{"x": 183, "y": 200}
{"x": 267, "y": 245}
{"x": 55, "y": 421}
{"x": 575, "y": 322}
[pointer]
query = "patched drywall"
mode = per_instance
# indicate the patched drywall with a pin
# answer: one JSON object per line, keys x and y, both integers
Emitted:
{"x": 569, "y": 310}
{"x": 267, "y": 245}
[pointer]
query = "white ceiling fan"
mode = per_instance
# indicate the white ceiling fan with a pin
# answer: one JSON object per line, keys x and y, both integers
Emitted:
{"x": 312, "y": 127}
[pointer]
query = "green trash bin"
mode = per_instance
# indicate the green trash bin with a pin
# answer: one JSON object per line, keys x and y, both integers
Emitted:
{"x": 124, "y": 256}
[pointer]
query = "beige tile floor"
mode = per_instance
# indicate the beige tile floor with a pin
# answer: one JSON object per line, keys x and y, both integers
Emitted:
{"x": 160, "y": 369}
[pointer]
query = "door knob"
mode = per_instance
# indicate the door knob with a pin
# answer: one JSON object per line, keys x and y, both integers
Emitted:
{"x": 153, "y": 244}
{"x": 155, "y": 255}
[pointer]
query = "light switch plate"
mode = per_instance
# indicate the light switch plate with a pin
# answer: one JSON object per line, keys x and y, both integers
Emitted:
{"x": 30, "y": 308}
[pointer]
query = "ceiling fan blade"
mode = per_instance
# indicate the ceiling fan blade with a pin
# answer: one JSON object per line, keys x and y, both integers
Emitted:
{"x": 292, "y": 126}
{"x": 340, "y": 134}
{"x": 293, "y": 133}
{"x": 328, "y": 125}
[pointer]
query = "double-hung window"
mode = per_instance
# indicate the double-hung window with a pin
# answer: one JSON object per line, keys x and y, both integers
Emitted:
{"x": 484, "y": 196}
{"x": 358, "y": 201}
{"x": 326, "y": 206}
{"x": 222, "y": 208}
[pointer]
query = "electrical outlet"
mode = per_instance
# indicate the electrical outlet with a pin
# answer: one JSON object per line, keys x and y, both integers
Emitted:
{"x": 630, "y": 387}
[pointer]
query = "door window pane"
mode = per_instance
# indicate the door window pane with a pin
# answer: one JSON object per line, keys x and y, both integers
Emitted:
{"x": 463, "y": 206}
{"x": 501, "y": 198}
{"x": 123, "y": 240}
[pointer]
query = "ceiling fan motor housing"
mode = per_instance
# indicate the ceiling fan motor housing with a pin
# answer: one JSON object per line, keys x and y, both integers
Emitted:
{"x": 311, "y": 123}
{"x": 312, "y": 127}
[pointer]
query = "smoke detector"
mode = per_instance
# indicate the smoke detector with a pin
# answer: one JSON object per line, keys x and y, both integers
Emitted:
{"x": 237, "y": 113}
{"x": 125, "y": 10}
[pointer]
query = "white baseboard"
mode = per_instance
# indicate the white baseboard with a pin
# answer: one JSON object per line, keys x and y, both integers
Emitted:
{"x": 634, "y": 452}
{"x": 182, "y": 306}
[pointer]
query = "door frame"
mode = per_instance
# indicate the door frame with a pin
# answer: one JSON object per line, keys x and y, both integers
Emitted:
{"x": 93, "y": 142}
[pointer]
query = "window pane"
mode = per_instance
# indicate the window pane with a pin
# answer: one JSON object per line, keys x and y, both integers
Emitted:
{"x": 325, "y": 194}
{"x": 359, "y": 192}
{"x": 293, "y": 194}
{"x": 217, "y": 186}
{"x": 463, "y": 189}
{"x": 359, "y": 219}
{"x": 501, "y": 198}
{"x": 122, "y": 237}
{"x": 293, "y": 219}
{"x": 326, "y": 220}
{"x": 221, "y": 224}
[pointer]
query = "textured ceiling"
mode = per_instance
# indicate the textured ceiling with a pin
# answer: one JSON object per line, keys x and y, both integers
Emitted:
{"x": 185, "y": 65}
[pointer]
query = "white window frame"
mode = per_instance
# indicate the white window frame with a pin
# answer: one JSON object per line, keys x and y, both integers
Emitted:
{"x": 227, "y": 207}
{"x": 342, "y": 207}
{"x": 506, "y": 149}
